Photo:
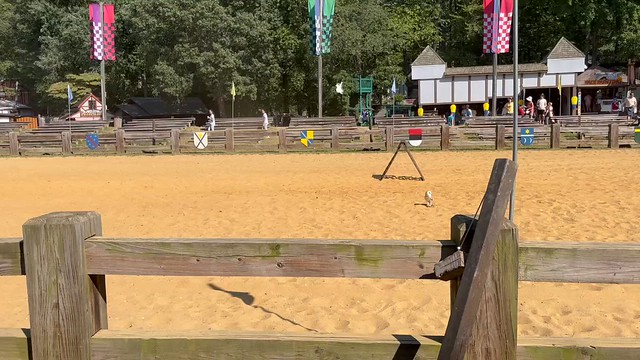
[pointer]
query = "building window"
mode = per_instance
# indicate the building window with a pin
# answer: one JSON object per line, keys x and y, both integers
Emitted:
{"x": 92, "y": 104}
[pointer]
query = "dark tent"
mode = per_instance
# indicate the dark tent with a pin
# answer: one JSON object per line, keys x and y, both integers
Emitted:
{"x": 158, "y": 108}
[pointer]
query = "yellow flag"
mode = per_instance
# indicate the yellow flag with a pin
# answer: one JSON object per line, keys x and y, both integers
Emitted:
{"x": 560, "y": 84}
{"x": 233, "y": 90}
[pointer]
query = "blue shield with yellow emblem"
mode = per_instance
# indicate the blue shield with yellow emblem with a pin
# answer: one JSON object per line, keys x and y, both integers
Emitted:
{"x": 526, "y": 136}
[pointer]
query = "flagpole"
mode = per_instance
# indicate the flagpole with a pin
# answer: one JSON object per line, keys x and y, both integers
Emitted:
{"x": 494, "y": 84}
{"x": 102, "y": 71}
{"x": 319, "y": 45}
{"x": 516, "y": 91}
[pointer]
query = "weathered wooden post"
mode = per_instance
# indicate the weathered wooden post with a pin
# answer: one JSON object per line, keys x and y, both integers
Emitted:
{"x": 389, "y": 137}
{"x": 66, "y": 305}
{"x": 120, "y": 141}
{"x": 14, "y": 146}
{"x": 66, "y": 142}
{"x": 500, "y": 137}
{"x": 444, "y": 137}
{"x": 117, "y": 122}
{"x": 282, "y": 139}
{"x": 614, "y": 136}
{"x": 335, "y": 138}
{"x": 175, "y": 141}
{"x": 229, "y": 145}
{"x": 483, "y": 322}
{"x": 555, "y": 136}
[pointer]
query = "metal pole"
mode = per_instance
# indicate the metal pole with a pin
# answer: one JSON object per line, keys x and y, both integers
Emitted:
{"x": 494, "y": 85}
{"x": 102, "y": 75}
{"x": 516, "y": 90}
{"x": 319, "y": 40}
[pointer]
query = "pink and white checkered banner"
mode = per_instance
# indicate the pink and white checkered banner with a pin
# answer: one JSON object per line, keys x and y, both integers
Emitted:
{"x": 497, "y": 18}
{"x": 103, "y": 38}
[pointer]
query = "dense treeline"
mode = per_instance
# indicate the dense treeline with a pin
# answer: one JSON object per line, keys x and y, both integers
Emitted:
{"x": 198, "y": 47}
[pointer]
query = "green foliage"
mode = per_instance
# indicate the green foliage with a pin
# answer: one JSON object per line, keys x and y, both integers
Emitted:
{"x": 197, "y": 48}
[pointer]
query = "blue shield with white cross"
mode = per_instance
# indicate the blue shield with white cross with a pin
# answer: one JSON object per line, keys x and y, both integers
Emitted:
{"x": 526, "y": 136}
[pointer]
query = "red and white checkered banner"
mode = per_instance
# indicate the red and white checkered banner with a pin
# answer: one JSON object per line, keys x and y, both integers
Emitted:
{"x": 497, "y": 18}
{"x": 103, "y": 38}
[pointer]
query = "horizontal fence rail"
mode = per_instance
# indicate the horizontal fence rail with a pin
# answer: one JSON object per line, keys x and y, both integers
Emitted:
{"x": 538, "y": 261}
{"x": 337, "y": 138}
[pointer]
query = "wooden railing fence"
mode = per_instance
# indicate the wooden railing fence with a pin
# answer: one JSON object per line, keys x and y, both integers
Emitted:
{"x": 441, "y": 137}
{"x": 65, "y": 260}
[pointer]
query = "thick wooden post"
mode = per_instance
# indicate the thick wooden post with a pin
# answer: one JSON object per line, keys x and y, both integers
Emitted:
{"x": 335, "y": 138}
{"x": 66, "y": 142}
{"x": 229, "y": 145}
{"x": 120, "y": 141}
{"x": 282, "y": 140}
{"x": 14, "y": 146}
{"x": 66, "y": 305}
{"x": 483, "y": 321}
{"x": 175, "y": 141}
{"x": 117, "y": 122}
{"x": 614, "y": 136}
{"x": 555, "y": 136}
{"x": 389, "y": 137}
{"x": 444, "y": 137}
{"x": 500, "y": 138}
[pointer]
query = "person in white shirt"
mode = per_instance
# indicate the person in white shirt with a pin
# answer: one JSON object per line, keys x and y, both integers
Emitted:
{"x": 541, "y": 107}
{"x": 212, "y": 120}
{"x": 265, "y": 120}
{"x": 631, "y": 105}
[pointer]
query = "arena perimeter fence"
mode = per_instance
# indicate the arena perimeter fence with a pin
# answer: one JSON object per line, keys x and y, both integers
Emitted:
{"x": 66, "y": 259}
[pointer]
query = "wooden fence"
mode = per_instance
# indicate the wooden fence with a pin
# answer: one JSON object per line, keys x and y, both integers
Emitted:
{"x": 65, "y": 260}
{"x": 387, "y": 138}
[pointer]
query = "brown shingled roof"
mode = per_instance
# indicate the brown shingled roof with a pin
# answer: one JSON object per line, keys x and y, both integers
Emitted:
{"x": 502, "y": 69}
{"x": 564, "y": 49}
{"x": 428, "y": 56}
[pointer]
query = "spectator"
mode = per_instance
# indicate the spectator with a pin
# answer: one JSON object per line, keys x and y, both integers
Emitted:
{"x": 631, "y": 105}
{"x": 548, "y": 114}
{"x": 587, "y": 103}
{"x": 542, "y": 108}
{"x": 467, "y": 113}
{"x": 265, "y": 120}
{"x": 212, "y": 120}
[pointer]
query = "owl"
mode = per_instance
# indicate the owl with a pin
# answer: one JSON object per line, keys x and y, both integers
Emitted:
{"x": 428, "y": 197}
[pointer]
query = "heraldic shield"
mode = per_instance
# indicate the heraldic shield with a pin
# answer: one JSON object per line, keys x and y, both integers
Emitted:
{"x": 200, "y": 140}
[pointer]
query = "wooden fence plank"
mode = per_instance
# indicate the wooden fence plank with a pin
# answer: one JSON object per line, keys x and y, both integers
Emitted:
{"x": 613, "y": 136}
{"x": 555, "y": 136}
{"x": 445, "y": 142}
{"x": 226, "y": 345}
{"x": 335, "y": 139}
{"x": 14, "y": 147}
{"x": 120, "y": 148}
{"x": 175, "y": 141}
{"x": 11, "y": 257}
{"x": 458, "y": 340}
{"x": 14, "y": 344}
{"x": 265, "y": 257}
{"x": 229, "y": 142}
{"x": 500, "y": 137}
{"x": 63, "y": 311}
{"x": 66, "y": 142}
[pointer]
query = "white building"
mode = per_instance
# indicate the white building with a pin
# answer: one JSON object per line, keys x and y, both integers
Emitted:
{"x": 440, "y": 85}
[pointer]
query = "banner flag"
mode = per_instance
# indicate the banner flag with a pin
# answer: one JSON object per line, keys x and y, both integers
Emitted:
{"x": 103, "y": 41}
{"x": 497, "y": 18}
{"x": 321, "y": 13}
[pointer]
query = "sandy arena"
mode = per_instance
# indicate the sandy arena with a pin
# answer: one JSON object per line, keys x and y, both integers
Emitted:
{"x": 561, "y": 196}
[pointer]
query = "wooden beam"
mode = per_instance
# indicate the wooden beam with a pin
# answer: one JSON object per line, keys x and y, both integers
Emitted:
{"x": 500, "y": 137}
{"x": 555, "y": 136}
{"x": 389, "y": 137}
{"x": 120, "y": 143}
{"x": 580, "y": 262}
{"x": 265, "y": 257}
{"x": 14, "y": 147}
{"x": 614, "y": 136}
{"x": 335, "y": 139}
{"x": 175, "y": 141}
{"x": 153, "y": 345}
{"x": 458, "y": 341}
{"x": 444, "y": 137}
{"x": 11, "y": 257}
{"x": 14, "y": 344}
{"x": 63, "y": 308}
{"x": 282, "y": 140}
{"x": 66, "y": 142}
{"x": 229, "y": 145}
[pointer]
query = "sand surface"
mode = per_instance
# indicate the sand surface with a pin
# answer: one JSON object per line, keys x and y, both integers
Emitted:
{"x": 561, "y": 195}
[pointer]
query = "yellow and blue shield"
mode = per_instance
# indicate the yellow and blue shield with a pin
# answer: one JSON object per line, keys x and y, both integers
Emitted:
{"x": 526, "y": 136}
{"x": 306, "y": 137}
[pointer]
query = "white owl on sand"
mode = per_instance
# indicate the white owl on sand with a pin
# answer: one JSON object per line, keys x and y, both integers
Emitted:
{"x": 428, "y": 197}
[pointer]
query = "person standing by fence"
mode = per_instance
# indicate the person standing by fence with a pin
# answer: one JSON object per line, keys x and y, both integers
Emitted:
{"x": 631, "y": 105}
{"x": 212, "y": 120}
{"x": 542, "y": 108}
{"x": 265, "y": 120}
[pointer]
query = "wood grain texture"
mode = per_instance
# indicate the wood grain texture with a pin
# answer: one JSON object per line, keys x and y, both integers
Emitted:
{"x": 500, "y": 137}
{"x": 60, "y": 293}
{"x": 613, "y": 136}
{"x": 458, "y": 336}
{"x": 175, "y": 141}
{"x": 555, "y": 136}
{"x": 389, "y": 134}
{"x": 444, "y": 137}
{"x": 14, "y": 147}
{"x": 120, "y": 148}
{"x": 229, "y": 141}
{"x": 282, "y": 140}
{"x": 11, "y": 257}
{"x": 335, "y": 138}
{"x": 265, "y": 257}
{"x": 14, "y": 344}
{"x": 198, "y": 345}
{"x": 66, "y": 142}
